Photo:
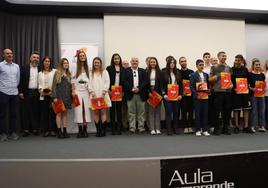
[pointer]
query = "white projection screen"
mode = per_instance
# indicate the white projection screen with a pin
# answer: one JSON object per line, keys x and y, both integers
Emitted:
{"x": 144, "y": 36}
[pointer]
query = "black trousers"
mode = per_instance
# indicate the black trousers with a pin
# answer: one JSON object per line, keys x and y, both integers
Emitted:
{"x": 47, "y": 117}
{"x": 8, "y": 102}
{"x": 116, "y": 112}
{"x": 211, "y": 115}
{"x": 32, "y": 110}
{"x": 222, "y": 105}
{"x": 186, "y": 108}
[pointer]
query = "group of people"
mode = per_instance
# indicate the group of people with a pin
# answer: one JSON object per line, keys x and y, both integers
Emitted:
{"x": 204, "y": 99}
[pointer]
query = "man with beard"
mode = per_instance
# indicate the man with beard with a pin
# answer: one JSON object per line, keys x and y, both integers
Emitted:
{"x": 186, "y": 106}
{"x": 28, "y": 92}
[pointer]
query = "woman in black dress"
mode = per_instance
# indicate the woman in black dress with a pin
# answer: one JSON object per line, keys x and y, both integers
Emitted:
{"x": 62, "y": 89}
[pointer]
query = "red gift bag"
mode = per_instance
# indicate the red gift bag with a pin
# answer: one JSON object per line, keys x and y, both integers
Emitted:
{"x": 75, "y": 101}
{"x": 241, "y": 85}
{"x": 173, "y": 92}
{"x": 58, "y": 106}
{"x": 226, "y": 82}
{"x": 186, "y": 88}
{"x": 116, "y": 93}
{"x": 260, "y": 87}
{"x": 98, "y": 103}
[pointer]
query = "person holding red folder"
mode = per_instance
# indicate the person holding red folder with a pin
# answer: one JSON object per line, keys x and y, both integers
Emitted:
{"x": 221, "y": 75}
{"x": 172, "y": 94}
{"x": 199, "y": 87}
{"x": 99, "y": 83}
{"x": 154, "y": 75}
{"x": 186, "y": 106}
{"x": 62, "y": 90}
{"x": 80, "y": 81}
{"x": 240, "y": 95}
{"x": 257, "y": 115}
{"x": 115, "y": 71}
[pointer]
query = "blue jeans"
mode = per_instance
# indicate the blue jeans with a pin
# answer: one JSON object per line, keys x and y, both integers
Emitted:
{"x": 201, "y": 114}
{"x": 257, "y": 115}
{"x": 172, "y": 113}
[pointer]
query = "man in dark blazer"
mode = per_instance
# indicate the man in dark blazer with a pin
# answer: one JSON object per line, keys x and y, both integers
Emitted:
{"x": 135, "y": 84}
{"x": 29, "y": 94}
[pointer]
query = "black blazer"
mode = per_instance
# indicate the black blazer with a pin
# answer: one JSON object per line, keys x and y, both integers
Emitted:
{"x": 166, "y": 79}
{"x": 112, "y": 74}
{"x": 24, "y": 79}
{"x": 128, "y": 83}
{"x": 158, "y": 83}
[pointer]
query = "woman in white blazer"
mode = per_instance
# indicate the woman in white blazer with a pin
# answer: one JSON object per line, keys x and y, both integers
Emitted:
{"x": 99, "y": 84}
{"x": 45, "y": 80}
{"x": 80, "y": 81}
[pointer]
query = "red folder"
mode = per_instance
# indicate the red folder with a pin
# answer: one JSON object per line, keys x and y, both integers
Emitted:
{"x": 98, "y": 103}
{"x": 226, "y": 82}
{"x": 58, "y": 106}
{"x": 241, "y": 85}
{"x": 202, "y": 88}
{"x": 116, "y": 93}
{"x": 75, "y": 101}
{"x": 154, "y": 99}
{"x": 186, "y": 88}
{"x": 260, "y": 87}
{"x": 173, "y": 92}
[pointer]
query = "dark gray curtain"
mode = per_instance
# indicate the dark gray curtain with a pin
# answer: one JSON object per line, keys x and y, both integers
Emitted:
{"x": 27, "y": 33}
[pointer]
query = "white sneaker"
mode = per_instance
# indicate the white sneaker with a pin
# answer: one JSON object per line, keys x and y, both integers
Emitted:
{"x": 198, "y": 133}
{"x": 261, "y": 129}
{"x": 253, "y": 130}
{"x": 153, "y": 132}
{"x": 206, "y": 133}
{"x": 158, "y": 132}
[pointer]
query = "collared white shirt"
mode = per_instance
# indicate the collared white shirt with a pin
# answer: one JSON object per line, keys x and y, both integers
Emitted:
{"x": 135, "y": 77}
{"x": 207, "y": 69}
{"x": 33, "y": 81}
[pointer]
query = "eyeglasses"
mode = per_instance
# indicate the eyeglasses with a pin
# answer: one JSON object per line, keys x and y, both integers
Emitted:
{"x": 134, "y": 73}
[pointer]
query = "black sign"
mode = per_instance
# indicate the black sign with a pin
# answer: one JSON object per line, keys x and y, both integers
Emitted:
{"x": 249, "y": 170}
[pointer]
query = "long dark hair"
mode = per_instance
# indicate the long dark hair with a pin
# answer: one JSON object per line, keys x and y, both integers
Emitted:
{"x": 157, "y": 69}
{"x": 112, "y": 60}
{"x": 169, "y": 61}
{"x": 50, "y": 66}
{"x": 79, "y": 67}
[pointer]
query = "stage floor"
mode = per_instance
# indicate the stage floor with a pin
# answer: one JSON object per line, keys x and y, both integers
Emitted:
{"x": 130, "y": 146}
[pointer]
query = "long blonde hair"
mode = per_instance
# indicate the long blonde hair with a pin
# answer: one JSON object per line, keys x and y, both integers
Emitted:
{"x": 60, "y": 71}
